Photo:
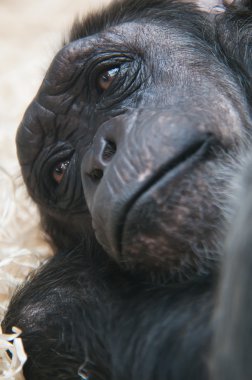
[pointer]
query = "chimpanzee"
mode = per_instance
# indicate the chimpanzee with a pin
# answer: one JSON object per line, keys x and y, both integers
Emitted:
{"x": 132, "y": 150}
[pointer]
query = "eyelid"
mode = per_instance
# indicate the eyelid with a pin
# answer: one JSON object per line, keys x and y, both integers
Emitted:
{"x": 101, "y": 61}
{"x": 99, "y": 64}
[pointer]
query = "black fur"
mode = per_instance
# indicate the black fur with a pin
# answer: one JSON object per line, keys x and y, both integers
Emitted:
{"x": 131, "y": 292}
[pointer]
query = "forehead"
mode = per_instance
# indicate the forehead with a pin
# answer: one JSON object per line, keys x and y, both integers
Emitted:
{"x": 142, "y": 38}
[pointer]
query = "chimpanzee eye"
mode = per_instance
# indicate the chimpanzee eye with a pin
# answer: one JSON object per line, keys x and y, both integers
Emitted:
{"x": 106, "y": 78}
{"x": 59, "y": 171}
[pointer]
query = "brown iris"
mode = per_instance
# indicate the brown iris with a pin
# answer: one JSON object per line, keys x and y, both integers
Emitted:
{"x": 106, "y": 78}
{"x": 59, "y": 171}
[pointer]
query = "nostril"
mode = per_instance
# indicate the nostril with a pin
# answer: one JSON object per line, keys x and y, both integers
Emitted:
{"x": 96, "y": 175}
{"x": 99, "y": 158}
{"x": 109, "y": 150}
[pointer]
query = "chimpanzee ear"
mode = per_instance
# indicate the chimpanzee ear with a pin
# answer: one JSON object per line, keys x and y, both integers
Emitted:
{"x": 218, "y": 6}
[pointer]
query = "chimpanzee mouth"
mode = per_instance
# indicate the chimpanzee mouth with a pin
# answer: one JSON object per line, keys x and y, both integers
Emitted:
{"x": 169, "y": 172}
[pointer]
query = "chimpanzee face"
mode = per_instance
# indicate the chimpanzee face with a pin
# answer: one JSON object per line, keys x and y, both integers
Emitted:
{"x": 127, "y": 138}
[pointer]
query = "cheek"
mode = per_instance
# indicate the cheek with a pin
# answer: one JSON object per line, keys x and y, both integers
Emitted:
{"x": 67, "y": 230}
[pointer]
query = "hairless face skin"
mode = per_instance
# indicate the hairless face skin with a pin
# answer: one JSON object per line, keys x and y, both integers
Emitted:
{"x": 128, "y": 149}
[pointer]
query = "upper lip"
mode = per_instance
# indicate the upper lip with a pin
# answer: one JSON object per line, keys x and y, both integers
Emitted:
{"x": 180, "y": 163}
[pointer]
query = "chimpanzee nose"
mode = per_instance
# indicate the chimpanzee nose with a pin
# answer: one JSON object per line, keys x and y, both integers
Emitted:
{"x": 102, "y": 151}
{"x": 103, "y": 148}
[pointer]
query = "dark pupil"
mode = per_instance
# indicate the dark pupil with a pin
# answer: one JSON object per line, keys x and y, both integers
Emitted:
{"x": 61, "y": 167}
